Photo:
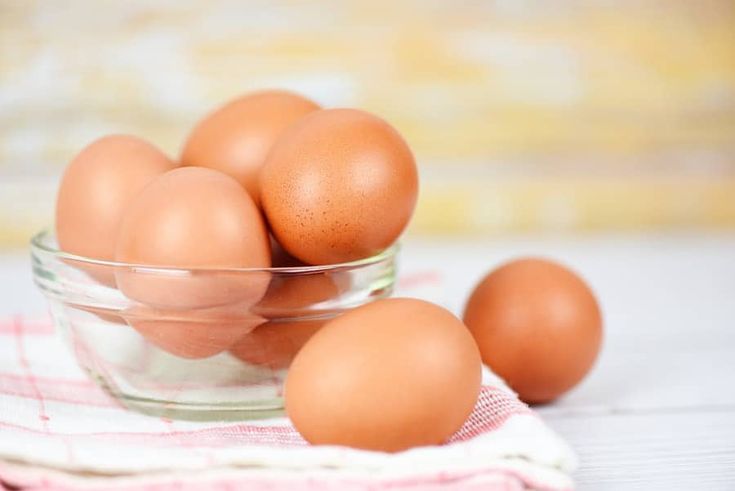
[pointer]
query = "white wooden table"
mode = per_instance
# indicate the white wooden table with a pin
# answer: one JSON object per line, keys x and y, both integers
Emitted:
{"x": 658, "y": 410}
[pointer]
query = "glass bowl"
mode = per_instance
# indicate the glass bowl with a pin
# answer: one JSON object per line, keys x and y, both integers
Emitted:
{"x": 197, "y": 343}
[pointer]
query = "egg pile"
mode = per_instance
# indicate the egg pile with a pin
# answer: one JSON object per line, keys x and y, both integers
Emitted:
{"x": 272, "y": 179}
{"x": 269, "y": 179}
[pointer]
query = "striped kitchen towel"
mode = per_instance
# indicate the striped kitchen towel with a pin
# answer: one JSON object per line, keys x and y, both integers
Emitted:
{"x": 59, "y": 431}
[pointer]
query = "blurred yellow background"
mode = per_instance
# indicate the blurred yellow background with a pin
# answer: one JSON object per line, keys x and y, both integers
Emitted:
{"x": 524, "y": 115}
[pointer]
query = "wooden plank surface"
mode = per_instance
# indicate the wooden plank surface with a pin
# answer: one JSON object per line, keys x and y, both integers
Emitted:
{"x": 658, "y": 410}
{"x": 691, "y": 449}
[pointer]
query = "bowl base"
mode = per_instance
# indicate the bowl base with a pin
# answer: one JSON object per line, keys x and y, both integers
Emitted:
{"x": 201, "y": 412}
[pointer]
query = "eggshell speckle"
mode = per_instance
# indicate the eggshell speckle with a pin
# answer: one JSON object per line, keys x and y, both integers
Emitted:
{"x": 196, "y": 219}
{"x": 236, "y": 138}
{"x": 538, "y": 326}
{"x": 339, "y": 185}
{"x": 389, "y": 375}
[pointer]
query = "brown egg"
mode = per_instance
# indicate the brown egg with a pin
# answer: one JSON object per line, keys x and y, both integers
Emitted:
{"x": 196, "y": 219}
{"x": 96, "y": 188}
{"x": 339, "y": 185}
{"x": 293, "y": 294}
{"x": 276, "y": 343}
{"x": 192, "y": 334}
{"x": 236, "y": 137}
{"x": 538, "y": 326}
{"x": 390, "y": 375}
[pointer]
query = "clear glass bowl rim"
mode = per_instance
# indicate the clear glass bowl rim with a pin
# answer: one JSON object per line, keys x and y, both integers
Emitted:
{"x": 40, "y": 243}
